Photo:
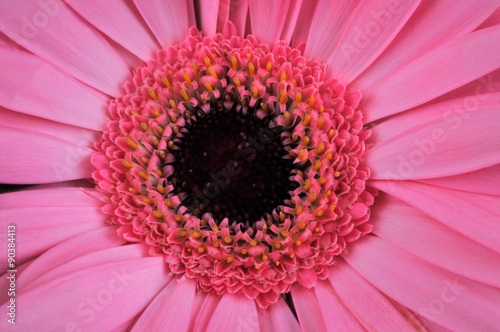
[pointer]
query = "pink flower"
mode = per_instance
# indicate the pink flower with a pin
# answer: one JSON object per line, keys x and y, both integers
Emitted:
{"x": 284, "y": 166}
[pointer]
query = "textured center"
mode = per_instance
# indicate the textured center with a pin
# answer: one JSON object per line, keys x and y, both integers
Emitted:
{"x": 231, "y": 165}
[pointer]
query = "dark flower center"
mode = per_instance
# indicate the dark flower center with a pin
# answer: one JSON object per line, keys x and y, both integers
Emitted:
{"x": 230, "y": 163}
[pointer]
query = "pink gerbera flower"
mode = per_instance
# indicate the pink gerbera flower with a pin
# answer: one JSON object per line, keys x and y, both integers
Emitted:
{"x": 253, "y": 165}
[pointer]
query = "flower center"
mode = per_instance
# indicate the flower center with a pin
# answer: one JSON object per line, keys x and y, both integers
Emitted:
{"x": 239, "y": 164}
{"x": 231, "y": 165}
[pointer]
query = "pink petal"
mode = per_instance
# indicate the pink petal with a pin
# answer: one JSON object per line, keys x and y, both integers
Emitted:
{"x": 40, "y": 228}
{"x": 417, "y": 38}
{"x": 31, "y": 85}
{"x": 447, "y": 67}
{"x": 125, "y": 26}
{"x": 483, "y": 181}
{"x": 304, "y": 21}
{"x": 450, "y": 300}
{"x": 169, "y": 20}
{"x": 66, "y": 251}
{"x": 206, "y": 312}
{"x": 291, "y": 20}
{"x": 430, "y": 150}
{"x": 269, "y": 21}
{"x": 494, "y": 19}
{"x": 208, "y": 14}
{"x": 368, "y": 32}
{"x": 409, "y": 229}
{"x": 336, "y": 316}
{"x": 238, "y": 12}
{"x": 324, "y": 36}
{"x": 172, "y": 308}
{"x": 473, "y": 215}
{"x": 14, "y": 119}
{"x": 234, "y": 313}
{"x": 308, "y": 309}
{"x": 95, "y": 299}
{"x": 372, "y": 309}
{"x": 277, "y": 317}
{"x": 54, "y": 32}
{"x": 40, "y": 158}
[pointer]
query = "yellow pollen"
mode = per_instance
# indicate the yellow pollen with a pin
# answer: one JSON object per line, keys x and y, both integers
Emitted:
{"x": 194, "y": 68}
{"x": 319, "y": 213}
{"x": 277, "y": 263}
{"x": 255, "y": 92}
{"x": 201, "y": 249}
{"x": 184, "y": 95}
{"x": 152, "y": 94}
{"x": 208, "y": 86}
{"x": 337, "y": 174}
{"x": 163, "y": 154}
{"x": 307, "y": 118}
{"x": 229, "y": 259}
{"x": 127, "y": 164}
{"x": 251, "y": 68}
{"x": 285, "y": 232}
{"x": 208, "y": 63}
{"x": 168, "y": 203}
{"x": 212, "y": 72}
{"x": 329, "y": 156}
{"x": 269, "y": 66}
{"x": 277, "y": 245}
{"x": 159, "y": 172}
{"x": 313, "y": 197}
{"x": 172, "y": 103}
{"x": 302, "y": 225}
{"x": 143, "y": 174}
{"x": 265, "y": 257}
{"x": 298, "y": 210}
{"x": 237, "y": 81}
{"x": 186, "y": 76}
{"x": 288, "y": 118}
{"x": 132, "y": 190}
{"x": 292, "y": 255}
{"x": 317, "y": 165}
{"x": 234, "y": 61}
{"x": 249, "y": 55}
{"x": 331, "y": 132}
{"x": 303, "y": 153}
{"x": 321, "y": 121}
{"x": 195, "y": 234}
{"x": 298, "y": 242}
{"x": 312, "y": 101}
{"x": 215, "y": 229}
{"x": 159, "y": 129}
{"x": 283, "y": 76}
{"x": 320, "y": 148}
{"x": 333, "y": 207}
{"x": 144, "y": 126}
{"x": 183, "y": 233}
{"x": 157, "y": 214}
{"x": 178, "y": 218}
{"x": 264, "y": 107}
{"x": 166, "y": 82}
{"x": 316, "y": 230}
{"x": 321, "y": 109}
{"x": 282, "y": 217}
{"x": 175, "y": 128}
{"x": 216, "y": 244}
{"x": 258, "y": 267}
{"x": 322, "y": 180}
{"x": 146, "y": 200}
{"x": 307, "y": 185}
{"x": 161, "y": 189}
{"x": 253, "y": 243}
{"x": 298, "y": 97}
{"x": 306, "y": 140}
{"x": 155, "y": 112}
{"x": 132, "y": 144}
{"x": 155, "y": 141}
{"x": 283, "y": 96}
{"x": 228, "y": 239}
{"x": 171, "y": 145}
{"x": 216, "y": 261}
{"x": 294, "y": 82}
{"x": 244, "y": 251}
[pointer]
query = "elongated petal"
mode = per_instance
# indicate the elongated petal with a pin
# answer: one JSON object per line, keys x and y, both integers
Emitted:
{"x": 268, "y": 19}
{"x": 169, "y": 20}
{"x": 54, "y": 32}
{"x": 208, "y": 15}
{"x": 277, "y": 317}
{"x": 336, "y": 316}
{"x": 238, "y": 12}
{"x": 411, "y": 230}
{"x": 430, "y": 150}
{"x": 483, "y": 181}
{"x": 447, "y": 67}
{"x": 95, "y": 299}
{"x": 308, "y": 310}
{"x": 31, "y": 85}
{"x": 125, "y": 25}
{"x": 31, "y": 157}
{"x": 450, "y": 300}
{"x": 206, "y": 312}
{"x": 473, "y": 215}
{"x": 372, "y": 309}
{"x": 417, "y": 38}
{"x": 241, "y": 310}
{"x": 172, "y": 308}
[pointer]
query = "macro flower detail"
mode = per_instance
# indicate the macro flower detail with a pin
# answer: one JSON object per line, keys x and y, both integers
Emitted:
{"x": 250, "y": 165}
{"x": 237, "y": 162}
